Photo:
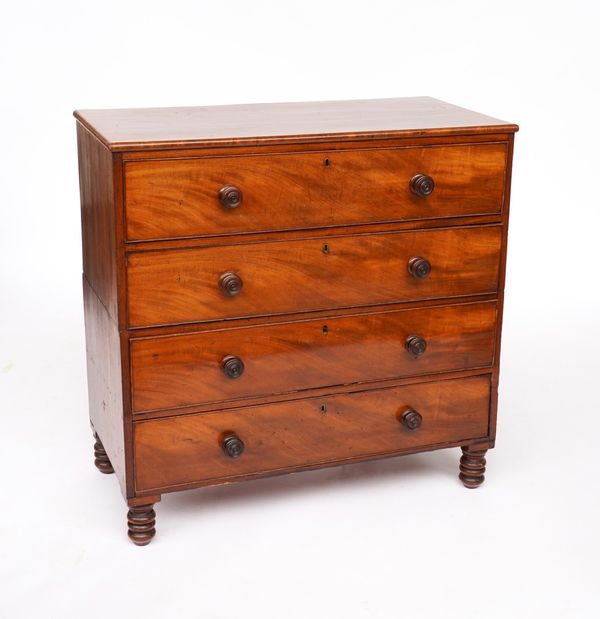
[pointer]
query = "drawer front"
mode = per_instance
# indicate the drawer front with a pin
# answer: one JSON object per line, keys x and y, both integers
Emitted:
{"x": 188, "y": 449}
{"x": 181, "y": 198}
{"x": 189, "y": 285}
{"x": 221, "y": 365}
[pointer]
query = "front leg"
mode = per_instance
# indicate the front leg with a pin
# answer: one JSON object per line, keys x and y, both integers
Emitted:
{"x": 141, "y": 520}
{"x": 472, "y": 466}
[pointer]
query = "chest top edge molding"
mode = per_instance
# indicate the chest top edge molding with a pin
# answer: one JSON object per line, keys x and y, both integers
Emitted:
{"x": 284, "y": 123}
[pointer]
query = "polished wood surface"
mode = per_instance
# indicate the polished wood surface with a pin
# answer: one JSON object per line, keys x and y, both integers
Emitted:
{"x": 501, "y": 294}
{"x": 181, "y": 370}
{"x": 98, "y": 219}
{"x": 105, "y": 391}
{"x": 101, "y": 459}
{"x": 188, "y": 448}
{"x": 152, "y": 128}
{"x": 181, "y": 286}
{"x": 472, "y": 466}
{"x": 276, "y": 288}
{"x": 141, "y": 522}
{"x": 182, "y": 197}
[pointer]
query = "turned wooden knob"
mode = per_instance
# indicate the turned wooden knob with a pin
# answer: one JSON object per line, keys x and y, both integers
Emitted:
{"x": 233, "y": 446}
{"x": 411, "y": 419}
{"x": 422, "y": 185}
{"x": 419, "y": 268}
{"x": 230, "y": 196}
{"x": 232, "y": 366}
{"x": 230, "y": 283}
{"x": 416, "y": 345}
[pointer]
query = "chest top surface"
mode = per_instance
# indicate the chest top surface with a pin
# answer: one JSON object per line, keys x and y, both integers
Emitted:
{"x": 181, "y": 127}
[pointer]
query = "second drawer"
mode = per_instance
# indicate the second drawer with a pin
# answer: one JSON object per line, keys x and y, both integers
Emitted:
{"x": 227, "y": 364}
{"x": 308, "y": 274}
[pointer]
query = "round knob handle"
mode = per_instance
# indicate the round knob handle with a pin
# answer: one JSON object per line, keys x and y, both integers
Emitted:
{"x": 416, "y": 345}
{"x": 411, "y": 419}
{"x": 422, "y": 185}
{"x": 232, "y": 366}
{"x": 233, "y": 445}
{"x": 230, "y": 283}
{"x": 419, "y": 268}
{"x": 230, "y": 196}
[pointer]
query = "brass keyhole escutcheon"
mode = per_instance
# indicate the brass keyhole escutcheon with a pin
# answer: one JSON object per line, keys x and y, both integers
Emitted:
{"x": 327, "y": 163}
{"x": 325, "y": 248}
{"x": 323, "y": 409}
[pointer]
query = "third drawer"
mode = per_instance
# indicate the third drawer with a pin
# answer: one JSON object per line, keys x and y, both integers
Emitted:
{"x": 227, "y": 364}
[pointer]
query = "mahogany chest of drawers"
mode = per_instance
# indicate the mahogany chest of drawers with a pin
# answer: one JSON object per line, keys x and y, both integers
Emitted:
{"x": 271, "y": 288}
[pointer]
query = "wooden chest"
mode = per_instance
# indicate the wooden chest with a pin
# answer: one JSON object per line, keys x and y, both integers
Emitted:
{"x": 272, "y": 288}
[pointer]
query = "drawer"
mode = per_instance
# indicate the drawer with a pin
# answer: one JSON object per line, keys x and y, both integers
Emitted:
{"x": 195, "y": 284}
{"x": 173, "y": 198}
{"x": 225, "y": 364}
{"x": 189, "y": 449}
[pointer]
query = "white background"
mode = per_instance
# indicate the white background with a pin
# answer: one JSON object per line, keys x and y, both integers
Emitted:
{"x": 387, "y": 539}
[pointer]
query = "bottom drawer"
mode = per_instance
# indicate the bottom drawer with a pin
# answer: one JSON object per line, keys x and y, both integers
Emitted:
{"x": 189, "y": 449}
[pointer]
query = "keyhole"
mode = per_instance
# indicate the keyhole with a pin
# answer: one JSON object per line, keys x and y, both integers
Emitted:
{"x": 323, "y": 409}
{"x": 325, "y": 248}
{"x": 327, "y": 162}
{"x": 325, "y": 329}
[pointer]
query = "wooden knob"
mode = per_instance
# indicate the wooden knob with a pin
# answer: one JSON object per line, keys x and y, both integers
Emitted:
{"x": 411, "y": 419}
{"x": 422, "y": 185}
{"x": 232, "y": 366}
{"x": 233, "y": 445}
{"x": 230, "y": 283}
{"x": 416, "y": 345}
{"x": 230, "y": 196}
{"x": 419, "y": 268}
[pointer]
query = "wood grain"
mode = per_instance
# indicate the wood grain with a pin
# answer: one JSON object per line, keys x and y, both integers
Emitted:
{"x": 502, "y": 279}
{"x": 152, "y": 128}
{"x": 180, "y": 286}
{"x": 98, "y": 218}
{"x": 104, "y": 381}
{"x": 180, "y": 198}
{"x": 183, "y": 370}
{"x": 187, "y": 449}
{"x": 319, "y": 223}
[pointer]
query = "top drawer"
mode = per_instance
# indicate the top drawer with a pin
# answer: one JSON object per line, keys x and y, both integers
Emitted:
{"x": 174, "y": 198}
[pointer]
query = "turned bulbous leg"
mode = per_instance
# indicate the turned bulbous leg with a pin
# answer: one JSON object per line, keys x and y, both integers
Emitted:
{"x": 140, "y": 522}
{"x": 472, "y": 467}
{"x": 100, "y": 458}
